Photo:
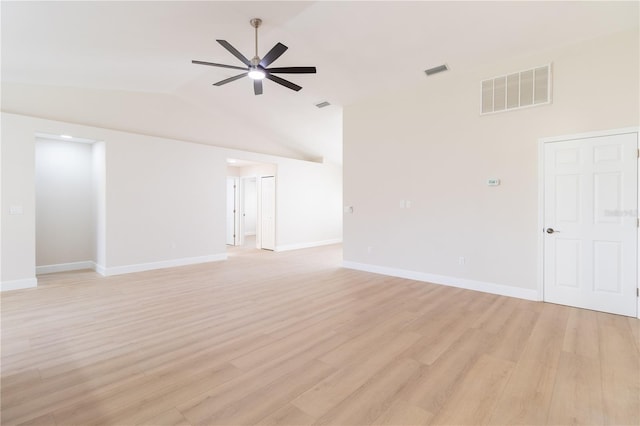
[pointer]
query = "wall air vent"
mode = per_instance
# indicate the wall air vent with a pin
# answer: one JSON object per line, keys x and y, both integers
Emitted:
{"x": 518, "y": 90}
{"x": 436, "y": 70}
{"x": 323, "y": 104}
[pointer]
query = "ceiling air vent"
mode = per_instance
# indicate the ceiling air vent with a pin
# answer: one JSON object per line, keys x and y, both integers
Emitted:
{"x": 521, "y": 89}
{"x": 323, "y": 104}
{"x": 436, "y": 70}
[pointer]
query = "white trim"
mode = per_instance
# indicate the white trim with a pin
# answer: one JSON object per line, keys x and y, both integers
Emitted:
{"x": 63, "y": 267}
{"x": 587, "y": 135}
{"x": 563, "y": 138}
{"x": 540, "y": 260}
{"x": 299, "y": 246}
{"x": 18, "y": 284}
{"x": 485, "y": 287}
{"x": 101, "y": 269}
{"x": 127, "y": 269}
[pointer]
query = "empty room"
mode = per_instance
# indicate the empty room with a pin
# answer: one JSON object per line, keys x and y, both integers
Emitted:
{"x": 319, "y": 213}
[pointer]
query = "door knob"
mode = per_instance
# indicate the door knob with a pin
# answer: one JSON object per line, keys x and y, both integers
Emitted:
{"x": 551, "y": 231}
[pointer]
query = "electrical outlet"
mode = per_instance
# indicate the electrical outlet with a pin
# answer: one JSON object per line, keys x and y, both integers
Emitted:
{"x": 462, "y": 260}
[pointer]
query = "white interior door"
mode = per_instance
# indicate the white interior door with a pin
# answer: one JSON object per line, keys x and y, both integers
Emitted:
{"x": 268, "y": 213}
{"x": 590, "y": 223}
{"x": 232, "y": 208}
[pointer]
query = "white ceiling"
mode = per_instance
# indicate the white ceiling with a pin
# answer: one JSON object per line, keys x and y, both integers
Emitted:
{"x": 359, "y": 48}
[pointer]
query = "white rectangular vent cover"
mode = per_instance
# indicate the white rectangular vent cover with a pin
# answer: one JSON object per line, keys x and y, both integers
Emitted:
{"x": 518, "y": 90}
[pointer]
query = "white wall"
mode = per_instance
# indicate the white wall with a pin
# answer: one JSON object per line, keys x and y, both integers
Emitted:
{"x": 250, "y": 208}
{"x": 157, "y": 114}
{"x": 99, "y": 182}
{"x": 233, "y": 171}
{"x": 309, "y": 205}
{"x": 258, "y": 170}
{"x": 430, "y": 146}
{"x": 18, "y": 190}
{"x": 163, "y": 199}
{"x": 65, "y": 226}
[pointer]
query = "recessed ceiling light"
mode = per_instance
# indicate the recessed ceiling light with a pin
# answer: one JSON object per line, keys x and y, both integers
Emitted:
{"x": 231, "y": 161}
{"x": 66, "y": 137}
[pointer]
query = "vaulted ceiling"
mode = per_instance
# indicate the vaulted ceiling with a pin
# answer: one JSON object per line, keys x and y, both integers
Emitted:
{"x": 127, "y": 65}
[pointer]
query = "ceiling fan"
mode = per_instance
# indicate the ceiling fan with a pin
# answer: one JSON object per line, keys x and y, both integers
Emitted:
{"x": 256, "y": 68}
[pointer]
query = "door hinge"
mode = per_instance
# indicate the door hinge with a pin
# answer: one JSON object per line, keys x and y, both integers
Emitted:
{"x": 638, "y": 291}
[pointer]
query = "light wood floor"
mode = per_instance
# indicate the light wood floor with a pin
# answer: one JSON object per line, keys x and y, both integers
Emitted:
{"x": 291, "y": 338}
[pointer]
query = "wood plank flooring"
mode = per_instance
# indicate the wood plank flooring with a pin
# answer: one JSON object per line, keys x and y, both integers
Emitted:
{"x": 293, "y": 339}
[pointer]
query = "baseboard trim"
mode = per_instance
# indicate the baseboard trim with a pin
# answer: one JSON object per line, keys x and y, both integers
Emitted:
{"x": 64, "y": 267}
{"x": 127, "y": 269}
{"x": 100, "y": 269}
{"x": 18, "y": 284}
{"x": 485, "y": 287}
{"x": 288, "y": 247}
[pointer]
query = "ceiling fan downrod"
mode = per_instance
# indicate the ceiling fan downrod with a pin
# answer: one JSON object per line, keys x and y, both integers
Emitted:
{"x": 255, "y": 23}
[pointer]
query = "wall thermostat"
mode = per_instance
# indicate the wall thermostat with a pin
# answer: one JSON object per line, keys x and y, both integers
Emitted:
{"x": 493, "y": 182}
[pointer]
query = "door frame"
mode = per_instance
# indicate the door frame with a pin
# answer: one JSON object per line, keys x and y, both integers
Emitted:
{"x": 243, "y": 183}
{"x": 541, "y": 206}
{"x": 236, "y": 210}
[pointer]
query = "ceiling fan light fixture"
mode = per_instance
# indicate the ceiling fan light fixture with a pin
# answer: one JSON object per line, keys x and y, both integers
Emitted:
{"x": 256, "y": 74}
{"x": 256, "y": 68}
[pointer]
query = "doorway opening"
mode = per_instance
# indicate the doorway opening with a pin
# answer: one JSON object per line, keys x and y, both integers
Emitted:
{"x": 70, "y": 192}
{"x": 251, "y": 193}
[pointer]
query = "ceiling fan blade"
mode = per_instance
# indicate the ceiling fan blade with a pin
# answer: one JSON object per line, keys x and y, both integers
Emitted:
{"x": 293, "y": 70}
{"x": 217, "y": 65}
{"x": 257, "y": 87}
{"x": 283, "y": 82}
{"x": 275, "y": 52}
{"x": 234, "y": 52}
{"x": 230, "y": 79}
